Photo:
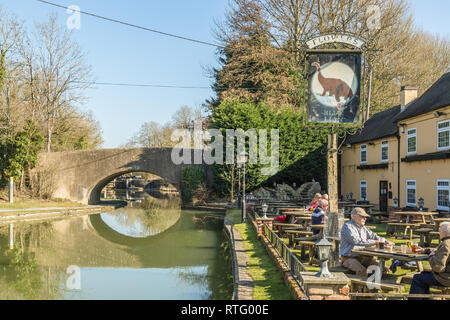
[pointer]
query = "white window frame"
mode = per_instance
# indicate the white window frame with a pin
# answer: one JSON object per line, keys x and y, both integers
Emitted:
{"x": 437, "y": 193}
{"x": 386, "y": 145}
{"x": 442, "y": 130}
{"x": 408, "y": 135}
{"x": 410, "y": 204}
{"x": 360, "y": 188}
{"x": 361, "y": 151}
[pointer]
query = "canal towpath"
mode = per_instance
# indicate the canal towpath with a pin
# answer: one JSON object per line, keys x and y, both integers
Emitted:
{"x": 243, "y": 282}
{"x": 28, "y": 214}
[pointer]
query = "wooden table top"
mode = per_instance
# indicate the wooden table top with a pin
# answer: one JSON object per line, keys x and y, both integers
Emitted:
{"x": 360, "y": 205}
{"x": 415, "y": 213}
{"x": 385, "y": 255}
{"x": 345, "y": 202}
{"x": 297, "y": 214}
{"x": 441, "y": 219}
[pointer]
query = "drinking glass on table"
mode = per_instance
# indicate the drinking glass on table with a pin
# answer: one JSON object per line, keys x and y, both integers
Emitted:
{"x": 381, "y": 244}
{"x": 403, "y": 248}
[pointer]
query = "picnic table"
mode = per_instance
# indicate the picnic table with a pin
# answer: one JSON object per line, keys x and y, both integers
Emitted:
{"x": 415, "y": 215}
{"x": 344, "y": 203}
{"x": 411, "y": 220}
{"x": 384, "y": 255}
{"x": 364, "y": 206}
{"x": 438, "y": 222}
{"x": 427, "y": 233}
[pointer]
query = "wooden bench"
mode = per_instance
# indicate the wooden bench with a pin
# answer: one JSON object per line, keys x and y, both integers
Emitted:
{"x": 360, "y": 284}
{"x": 292, "y": 233}
{"x": 425, "y": 237}
{"x": 405, "y": 227}
{"x": 304, "y": 242}
{"x": 377, "y": 216}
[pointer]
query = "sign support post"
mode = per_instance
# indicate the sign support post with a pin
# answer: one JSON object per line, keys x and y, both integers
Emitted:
{"x": 332, "y": 172}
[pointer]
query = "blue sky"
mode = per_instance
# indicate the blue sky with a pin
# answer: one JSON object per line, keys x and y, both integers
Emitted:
{"x": 126, "y": 55}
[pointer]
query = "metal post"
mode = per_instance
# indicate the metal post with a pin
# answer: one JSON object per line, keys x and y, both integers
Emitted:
{"x": 243, "y": 196}
{"x": 11, "y": 190}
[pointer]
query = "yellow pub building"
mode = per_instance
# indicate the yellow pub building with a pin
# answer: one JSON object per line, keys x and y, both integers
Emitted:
{"x": 402, "y": 154}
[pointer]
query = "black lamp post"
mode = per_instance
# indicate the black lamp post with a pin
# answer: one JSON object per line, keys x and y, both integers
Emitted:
{"x": 324, "y": 247}
{"x": 243, "y": 156}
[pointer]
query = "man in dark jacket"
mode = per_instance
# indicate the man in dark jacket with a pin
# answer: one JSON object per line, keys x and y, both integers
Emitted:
{"x": 440, "y": 265}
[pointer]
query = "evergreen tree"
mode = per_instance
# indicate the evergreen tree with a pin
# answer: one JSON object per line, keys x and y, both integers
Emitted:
{"x": 251, "y": 67}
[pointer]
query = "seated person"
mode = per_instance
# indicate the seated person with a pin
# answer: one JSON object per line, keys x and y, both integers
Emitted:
{"x": 354, "y": 233}
{"x": 318, "y": 215}
{"x": 313, "y": 204}
{"x": 440, "y": 265}
{"x": 283, "y": 219}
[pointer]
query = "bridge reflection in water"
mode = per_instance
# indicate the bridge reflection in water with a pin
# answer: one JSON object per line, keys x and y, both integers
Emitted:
{"x": 150, "y": 251}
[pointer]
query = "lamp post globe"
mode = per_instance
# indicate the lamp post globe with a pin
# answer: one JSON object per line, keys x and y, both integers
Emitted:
{"x": 421, "y": 203}
{"x": 264, "y": 209}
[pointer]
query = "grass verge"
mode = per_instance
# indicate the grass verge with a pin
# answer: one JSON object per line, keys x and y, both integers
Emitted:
{"x": 38, "y": 203}
{"x": 268, "y": 281}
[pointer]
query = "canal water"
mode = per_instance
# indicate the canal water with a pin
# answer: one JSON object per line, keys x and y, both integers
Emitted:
{"x": 150, "y": 249}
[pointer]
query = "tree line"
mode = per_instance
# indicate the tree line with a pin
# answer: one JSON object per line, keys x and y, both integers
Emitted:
{"x": 43, "y": 82}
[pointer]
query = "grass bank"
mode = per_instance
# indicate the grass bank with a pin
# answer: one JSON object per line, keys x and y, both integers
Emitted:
{"x": 268, "y": 281}
{"x": 37, "y": 203}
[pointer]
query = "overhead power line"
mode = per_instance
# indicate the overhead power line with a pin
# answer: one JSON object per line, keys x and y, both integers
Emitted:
{"x": 132, "y": 25}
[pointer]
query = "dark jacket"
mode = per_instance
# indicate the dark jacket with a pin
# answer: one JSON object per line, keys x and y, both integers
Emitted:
{"x": 440, "y": 262}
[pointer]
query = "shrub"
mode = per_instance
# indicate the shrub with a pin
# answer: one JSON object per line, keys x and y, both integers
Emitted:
{"x": 192, "y": 179}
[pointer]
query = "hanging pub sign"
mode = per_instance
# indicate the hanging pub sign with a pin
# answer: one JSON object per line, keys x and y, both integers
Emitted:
{"x": 334, "y": 87}
{"x": 334, "y": 79}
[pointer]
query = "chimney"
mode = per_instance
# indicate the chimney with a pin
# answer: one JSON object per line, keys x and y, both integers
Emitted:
{"x": 407, "y": 94}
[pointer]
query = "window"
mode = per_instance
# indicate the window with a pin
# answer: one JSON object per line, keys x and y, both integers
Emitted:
{"x": 443, "y": 134}
{"x": 411, "y": 193}
{"x": 363, "y": 153}
{"x": 385, "y": 151}
{"x": 363, "y": 190}
{"x": 443, "y": 194}
{"x": 412, "y": 141}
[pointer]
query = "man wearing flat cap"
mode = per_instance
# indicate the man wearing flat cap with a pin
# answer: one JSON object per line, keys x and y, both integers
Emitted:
{"x": 355, "y": 234}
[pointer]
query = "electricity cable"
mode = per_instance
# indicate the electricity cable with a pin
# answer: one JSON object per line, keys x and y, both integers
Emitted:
{"x": 132, "y": 25}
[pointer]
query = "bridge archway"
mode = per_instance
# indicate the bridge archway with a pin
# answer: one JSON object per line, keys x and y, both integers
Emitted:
{"x": 95, "y": 191}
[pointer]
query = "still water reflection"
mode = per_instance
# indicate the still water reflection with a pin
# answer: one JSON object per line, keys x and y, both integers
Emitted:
{"x": 153, "y": 250}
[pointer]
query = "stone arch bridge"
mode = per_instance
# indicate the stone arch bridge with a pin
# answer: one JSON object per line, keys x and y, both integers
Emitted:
{"x": 81, "y": 175}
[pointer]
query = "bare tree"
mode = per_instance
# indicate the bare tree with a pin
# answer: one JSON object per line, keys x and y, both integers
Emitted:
{"x": 62, "y": 71}
{"x": 10, "y": 33}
